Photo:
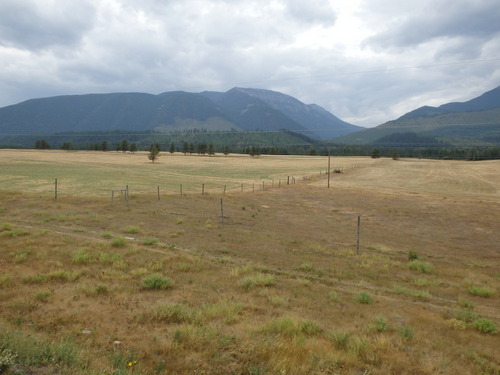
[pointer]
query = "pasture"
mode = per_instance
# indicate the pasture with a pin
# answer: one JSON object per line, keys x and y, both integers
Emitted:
{"x": 276, "y": 287}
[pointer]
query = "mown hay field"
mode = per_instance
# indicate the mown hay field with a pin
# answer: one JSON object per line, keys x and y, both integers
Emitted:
{"x": 275, "y": 286}
{"x": 97, "y": 173}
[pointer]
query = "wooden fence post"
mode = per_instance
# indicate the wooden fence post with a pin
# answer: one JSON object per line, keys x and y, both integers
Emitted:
{"x": 55, "y": 190}
{"x": 221, "y": 212}
{"x": 359, "y": 229}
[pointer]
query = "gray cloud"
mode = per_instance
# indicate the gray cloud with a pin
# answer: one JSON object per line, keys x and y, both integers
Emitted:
{"x": 33, "y": 25}
{"x": 80, "y": 46}
{"x": 445, "y": 20}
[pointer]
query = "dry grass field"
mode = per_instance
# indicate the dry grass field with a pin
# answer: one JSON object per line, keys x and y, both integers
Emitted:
{"x": 276, "y": 287}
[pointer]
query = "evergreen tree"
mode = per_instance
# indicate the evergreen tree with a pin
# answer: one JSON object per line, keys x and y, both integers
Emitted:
{"x": 172, "y": 148}
{"x": 123, "y": 146}
{"x": 154, "y": 153}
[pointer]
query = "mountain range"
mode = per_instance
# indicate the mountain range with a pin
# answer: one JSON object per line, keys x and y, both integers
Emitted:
{"x": 264, "y": 112}
{"x": 476, "y": 121}
{"x": 239, "y": 109}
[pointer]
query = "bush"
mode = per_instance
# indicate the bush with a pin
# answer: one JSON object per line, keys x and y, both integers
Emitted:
{"x": 156, "y": 282}
{"x": 364, "y": 298}
{"x": 259, "y": 280}
{"x": 340, "y": 339}
{"x": 421, "y": 266}
{"x": 480, "y": 291}
{"x": 412, "y": 255}
{"x": 485, "y": 325}
{"x": 80, "y": 257}
{"x": 119, "y": 242}
{"x": 379, "y": 324}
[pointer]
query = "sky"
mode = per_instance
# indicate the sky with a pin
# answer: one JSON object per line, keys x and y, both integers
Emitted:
{"x": 365, "y": 61}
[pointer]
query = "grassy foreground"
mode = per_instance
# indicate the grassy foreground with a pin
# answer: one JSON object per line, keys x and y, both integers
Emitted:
{"x": 276, "y": 287}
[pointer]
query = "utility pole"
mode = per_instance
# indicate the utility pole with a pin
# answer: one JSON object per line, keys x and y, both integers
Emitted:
{"x": 328, "y": 169}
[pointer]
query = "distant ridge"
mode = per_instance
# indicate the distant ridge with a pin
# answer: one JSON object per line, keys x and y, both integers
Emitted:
{"x": 476, "y": 121}
{"x": 238, "y": 109}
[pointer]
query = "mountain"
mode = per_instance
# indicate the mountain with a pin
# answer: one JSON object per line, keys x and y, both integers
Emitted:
{"x": 319, "y": 123}
{"x": 476, "y": 121}
{"x": 237, "y": 109}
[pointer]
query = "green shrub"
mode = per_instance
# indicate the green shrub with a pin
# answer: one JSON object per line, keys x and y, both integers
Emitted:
{"x": 485, "y": 325}
{"x": 259, "y": 280}
{"x": 289, "y": 327}
{"x": 464, "y": 315}
{"x": 379, "y": 324}
{"x": 421, "y": 266}
{"x": 412, "y": 255}
{"x": 364, "y": 298}
{"x": 406, "y": 332}
{"x": 176, "y": 314}
{"x": 340, "y": 339}
{"x": 101, "y": 289}
{"x": 480, "y": 291}
{"x": 107, "y": 235}
{"x": 156, "y": 282}
{"x": 150, "y": 241}
{"x": 81, "y": 257}
{"x": 132, "y": 230}
{"x": 119, "y": 242}
{"x": 43, "y": 296}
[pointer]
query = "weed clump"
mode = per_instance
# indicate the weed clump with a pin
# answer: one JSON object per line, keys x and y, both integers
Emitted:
{"x": 480, "y": 291}
{"x": 259, "y": 280}
{"x": 412, "y": 255}
{"x": 288, "y": 327}
{"x": 421, "y": 266}
{"x": 81, "y": 257}
{"x": 485, "y": 325}
{"x": 156, "y": 282}
{"x": 364, "y": 298}
{"x": 119, "y": 242}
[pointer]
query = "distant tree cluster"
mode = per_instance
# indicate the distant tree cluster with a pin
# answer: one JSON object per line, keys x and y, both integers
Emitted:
{"x": 42, "y": 144}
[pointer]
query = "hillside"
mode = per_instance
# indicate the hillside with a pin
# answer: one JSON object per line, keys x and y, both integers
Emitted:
{"x": 476, "y": 121}
{"x": 316, "y": 119}
{"x": 167, "y": 112}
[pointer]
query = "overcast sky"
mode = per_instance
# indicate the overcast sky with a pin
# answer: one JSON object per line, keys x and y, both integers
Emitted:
{"x": 366, "y": 61}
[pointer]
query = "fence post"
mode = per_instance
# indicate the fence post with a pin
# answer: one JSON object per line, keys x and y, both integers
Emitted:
{"x": 181, "y": 190}
{"x": 55, "y": 190}
{"x": 202, "y": 189}
{"x": 221, "y": 212}
{"x": 359, "y": 229}
{"x": 158, "y": 192}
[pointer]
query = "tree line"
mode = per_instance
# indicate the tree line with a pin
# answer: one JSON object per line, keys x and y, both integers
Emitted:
{"x": 325, "y": 149}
